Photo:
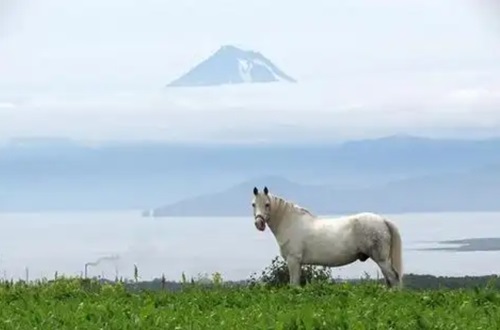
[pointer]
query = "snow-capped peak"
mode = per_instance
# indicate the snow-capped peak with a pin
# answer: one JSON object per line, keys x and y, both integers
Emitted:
{"x": 231, "y": 65}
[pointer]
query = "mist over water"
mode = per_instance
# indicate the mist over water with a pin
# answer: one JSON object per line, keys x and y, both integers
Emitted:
{"x": 112, "y": 242}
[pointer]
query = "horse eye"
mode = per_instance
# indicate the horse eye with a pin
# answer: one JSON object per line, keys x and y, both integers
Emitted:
{"x": 267, "y": 205}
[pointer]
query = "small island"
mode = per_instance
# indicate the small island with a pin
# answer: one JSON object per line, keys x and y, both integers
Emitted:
{"x": 469, "y": 245}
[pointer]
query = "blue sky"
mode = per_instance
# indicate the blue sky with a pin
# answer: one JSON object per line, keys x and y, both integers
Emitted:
{"x": 94, "y": 69}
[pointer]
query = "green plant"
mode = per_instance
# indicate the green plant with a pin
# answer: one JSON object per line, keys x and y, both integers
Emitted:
{"x": 277, "y": 274}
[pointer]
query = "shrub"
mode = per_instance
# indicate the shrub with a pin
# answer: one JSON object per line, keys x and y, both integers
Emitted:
{"x": 277, "y": 274}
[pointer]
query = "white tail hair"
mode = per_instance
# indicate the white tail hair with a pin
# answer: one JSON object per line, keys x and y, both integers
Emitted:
{"x": 396, "y": 250}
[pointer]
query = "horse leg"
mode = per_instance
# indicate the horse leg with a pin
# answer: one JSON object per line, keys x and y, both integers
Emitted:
{"x": 391, "y": 277}
{"x": 294, "y": 270}
{"x": 380, "y": 252}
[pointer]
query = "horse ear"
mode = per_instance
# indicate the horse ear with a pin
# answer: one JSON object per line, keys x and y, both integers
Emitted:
{"x": 255, "y": 191}
{"x": 266, "y": 191}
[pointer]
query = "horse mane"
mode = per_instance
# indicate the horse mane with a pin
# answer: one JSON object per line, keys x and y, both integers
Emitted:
{"x": 291, "y": 206}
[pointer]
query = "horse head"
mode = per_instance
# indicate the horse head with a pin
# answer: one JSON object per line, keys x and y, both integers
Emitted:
{"x": 261, "y": 203}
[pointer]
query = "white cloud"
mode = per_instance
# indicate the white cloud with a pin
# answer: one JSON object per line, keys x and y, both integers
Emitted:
{"x": 265, "y": 112}
{"x": 474, "y": 97}
{"x": 6, "y": 105}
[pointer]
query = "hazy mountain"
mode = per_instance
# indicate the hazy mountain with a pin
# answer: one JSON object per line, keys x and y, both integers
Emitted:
{"x": 60, "y": 174}
{"x": 476, "y": 190}
{"x": 233, "y": 201}
{"x": 404, "y": 155}
{"x": 231, "y": 65}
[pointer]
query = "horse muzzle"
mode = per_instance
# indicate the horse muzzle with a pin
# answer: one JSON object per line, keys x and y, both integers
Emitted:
{"x": 260, "y": 223}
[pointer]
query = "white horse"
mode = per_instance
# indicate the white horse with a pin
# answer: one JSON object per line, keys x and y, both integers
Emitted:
{"x": 305, "y": 239}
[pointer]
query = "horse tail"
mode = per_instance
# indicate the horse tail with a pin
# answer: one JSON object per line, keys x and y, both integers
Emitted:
{"x": 396, "y": 250}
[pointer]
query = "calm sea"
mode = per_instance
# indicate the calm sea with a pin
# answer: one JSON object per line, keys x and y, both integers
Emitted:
{"x": 45, "y": 243}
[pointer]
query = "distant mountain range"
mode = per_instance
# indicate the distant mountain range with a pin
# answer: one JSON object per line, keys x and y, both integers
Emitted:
{"x": 231, "y": 65}
{"x": 476, "y": 190}
{"x": 394, "y": 173}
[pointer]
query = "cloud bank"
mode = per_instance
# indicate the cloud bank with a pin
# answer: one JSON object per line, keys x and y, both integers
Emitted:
{"x": 279, "y": 113}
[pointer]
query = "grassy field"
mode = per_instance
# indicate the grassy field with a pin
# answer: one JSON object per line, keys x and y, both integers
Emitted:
{"x": 82, "y": 304}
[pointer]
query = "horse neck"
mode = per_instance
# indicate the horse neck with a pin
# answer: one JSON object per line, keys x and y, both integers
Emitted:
{"x": 278, "y": 212}
{"x": 284, "y": 214}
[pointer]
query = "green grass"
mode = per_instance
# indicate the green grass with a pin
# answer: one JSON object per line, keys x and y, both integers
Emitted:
{"x": 79, "y": 304}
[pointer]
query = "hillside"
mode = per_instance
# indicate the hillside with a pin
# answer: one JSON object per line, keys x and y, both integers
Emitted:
{"x": 77, "y": 303}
